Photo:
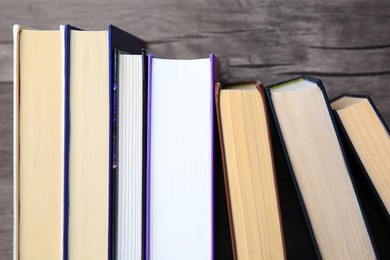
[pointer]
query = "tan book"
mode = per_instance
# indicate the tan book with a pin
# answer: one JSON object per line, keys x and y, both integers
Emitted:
{"x": 319, "y": 169}
{"x": 93, "y": 155}
{"x": 38, "y": 143}
{"x": 366, "y": 140}
{"x": 249, "y": 173}
{"x": 369, "y": 136}
{"x": 89, "y": 145}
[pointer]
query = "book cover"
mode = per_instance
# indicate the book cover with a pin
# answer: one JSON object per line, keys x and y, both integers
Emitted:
{"x": 65, "y": 29}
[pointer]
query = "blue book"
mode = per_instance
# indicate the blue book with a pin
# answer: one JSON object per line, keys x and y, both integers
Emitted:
{"x": 90, "y": 179}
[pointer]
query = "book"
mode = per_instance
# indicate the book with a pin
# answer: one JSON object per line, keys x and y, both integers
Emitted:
{"x": 39, "y": 141}
{"x": 180, "y": 168}
{"x": 366, "y": 138}
{"x": 319, "y": 169}
{"x": 89, "y": 81}
{"x": 130, "y": 79}
{"x": 249, "y": 172}
{"x": 369, "y": 137}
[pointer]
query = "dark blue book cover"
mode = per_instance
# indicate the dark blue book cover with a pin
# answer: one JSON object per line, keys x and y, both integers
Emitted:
{"x": 285, "y": 160}
{"x": 118, "y": 40}
{"x": 376, "y": 212}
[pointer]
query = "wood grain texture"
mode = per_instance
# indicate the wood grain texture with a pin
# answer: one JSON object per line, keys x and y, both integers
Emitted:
{"x": 345, "y": 43}
{"x": 6, "y": 187}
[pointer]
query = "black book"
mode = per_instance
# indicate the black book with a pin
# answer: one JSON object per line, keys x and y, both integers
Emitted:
{"x": 321, "y": 176}
{"x": 365, "y": 136}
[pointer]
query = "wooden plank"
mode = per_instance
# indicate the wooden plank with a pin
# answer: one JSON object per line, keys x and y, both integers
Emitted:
{"x": 6, "y": 179}
{"x": 345, "y": 25}
{"x": 6, "y": 236}
{"x": 253, "y": 40}
{"x": 6, "y": 59}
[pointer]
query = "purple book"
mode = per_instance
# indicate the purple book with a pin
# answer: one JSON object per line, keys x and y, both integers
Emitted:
{"x": 180, "y": 158}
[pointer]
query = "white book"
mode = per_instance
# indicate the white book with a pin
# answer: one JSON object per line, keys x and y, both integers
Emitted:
{"x": 180, "y": 159}
{"x": 130, "y": 157}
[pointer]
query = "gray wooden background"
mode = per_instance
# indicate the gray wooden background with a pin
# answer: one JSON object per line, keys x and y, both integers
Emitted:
{"x": 345, "y": 43}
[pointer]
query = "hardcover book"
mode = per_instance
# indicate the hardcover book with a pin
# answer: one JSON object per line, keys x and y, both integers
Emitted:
{"x": 366, "y": 138}
{"x": 91, "y": 177}
{"x": 130, "y": 113}
{"x": 369, "y": 136}
{"x": 180, "y": 169}
{"x": 249, "y": 172}
{"x": 39, "y": 143}
{"x": 319, "y": 169}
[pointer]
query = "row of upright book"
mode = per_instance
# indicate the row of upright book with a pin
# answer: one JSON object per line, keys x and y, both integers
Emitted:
{"x": 120, "y": 154}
